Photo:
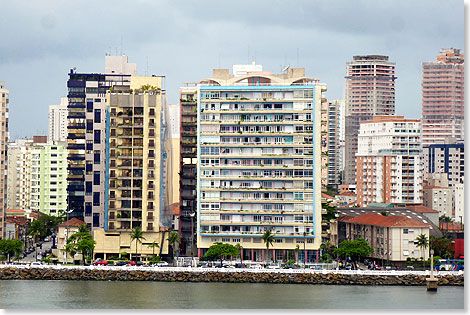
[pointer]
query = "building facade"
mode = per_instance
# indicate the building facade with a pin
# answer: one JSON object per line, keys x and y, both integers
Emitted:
{"x": 136, "y": 166}
{"x": 389, "y": 163}
{"x": 443, "y": 97}
{"x": 4, "y": 137}
{"x": 86, "y": 140}
{"x": 393, "y": 238}
{"x": 335, "y": 139}
{"x": 58, "y": 121}
{"x": 188, "y": 162}
{"x": 370, "y": 91}
{"x": 19, "y": 174}
{"x": 445, "y": 158}
{"x": 258, "y": 141}
{"x": 48, "y": 184}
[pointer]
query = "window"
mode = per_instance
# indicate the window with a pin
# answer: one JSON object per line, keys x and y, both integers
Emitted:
{"x": 97, "y": 115}
{"x": 405, "y": 231}
{"x": 96, "y": 157}
{"x": 96, "y": 178}
{"x": 97, "y": 136}
{"x": 88, "y": 209}
{"x": 96, "y": 198}
{"x": 88, "y": 188}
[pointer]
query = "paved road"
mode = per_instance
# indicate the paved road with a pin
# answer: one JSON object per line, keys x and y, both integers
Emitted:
{"x": 32, "y": 256}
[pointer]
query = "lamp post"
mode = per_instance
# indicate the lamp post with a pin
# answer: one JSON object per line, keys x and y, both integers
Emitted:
{"x": 192, "y": 215}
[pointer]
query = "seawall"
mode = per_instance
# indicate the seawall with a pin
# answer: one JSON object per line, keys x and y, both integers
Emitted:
{"x": 230, "y": 276}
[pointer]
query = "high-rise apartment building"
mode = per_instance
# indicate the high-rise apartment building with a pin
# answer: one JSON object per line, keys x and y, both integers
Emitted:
{"x": 19, "y": 174}
{"x": 58, "y": 121}
{"x": 87, "y": 137}
{"x": 37, "y": 176}
{"x": 188, "y": 174}
{"x": 445, "y": 158}
{"x": 443, "y": 97}
{"x": 335, "y": 135}
{"x": 258, "y": 152}
{"x": 4, "y": 137}
{"x": 136, "y": 165}
{"x": 389, "y": 162}
{"x": 324, "y": 142}
{"x": 48, "y": 178}
{"x": 370, "y": 91}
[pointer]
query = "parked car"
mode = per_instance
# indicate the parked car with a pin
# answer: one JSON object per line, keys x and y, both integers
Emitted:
{"x": 100, "y": 262}
{"x": 36, "y": 263}
{"x": 273, "y": 267}
{"x": 120, "y": 263}
{"x": 46, "y": 239}
{"x": 162, "y": 264}
{"x": 240, "y": 265}
{"x": 131, "y": 263}
{"x": 140, "y": 263}
{"x": 256, "y": 267}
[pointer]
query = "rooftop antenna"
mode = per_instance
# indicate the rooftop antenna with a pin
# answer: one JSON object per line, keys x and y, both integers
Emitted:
{"x": 121, "y": 44}
{"x": 248, "y": 54}
{"x": 219, "y": 60}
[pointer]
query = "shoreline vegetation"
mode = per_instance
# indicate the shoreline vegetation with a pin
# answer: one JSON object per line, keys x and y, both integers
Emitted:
{"x": 341, "y": 277}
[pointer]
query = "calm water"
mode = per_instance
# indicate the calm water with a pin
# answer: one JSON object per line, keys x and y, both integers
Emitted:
{"x": 50, "y": 294}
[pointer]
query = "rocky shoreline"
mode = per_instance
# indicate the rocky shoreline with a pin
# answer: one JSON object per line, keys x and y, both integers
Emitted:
{"x": 12, "y": 273}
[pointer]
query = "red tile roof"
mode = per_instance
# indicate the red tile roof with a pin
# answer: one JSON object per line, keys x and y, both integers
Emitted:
{"x": 421, "y": 208}
{"x": 327, "y": 196}
{"x": 17, "y": 220}
{"x": 388, "y": 221}
{"x": 72, "y": 222}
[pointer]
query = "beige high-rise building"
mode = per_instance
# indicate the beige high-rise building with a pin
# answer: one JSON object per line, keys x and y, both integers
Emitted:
{"x": 4, "y": 136}
{"x": 19, "y": 174}
{"x": 58, "y": 121}
{"x": 136, "y": 170}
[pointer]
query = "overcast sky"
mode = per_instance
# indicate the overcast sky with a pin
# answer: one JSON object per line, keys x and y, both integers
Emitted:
{"x": 185, "y": 40}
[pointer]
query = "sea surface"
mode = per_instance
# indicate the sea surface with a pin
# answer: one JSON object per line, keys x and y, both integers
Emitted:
{"x": 58, "y": 294}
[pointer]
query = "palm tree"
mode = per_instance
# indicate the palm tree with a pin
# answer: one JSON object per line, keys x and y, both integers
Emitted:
{"x": 268, "y": 239}
{"x": 173, "y": 238}
{"x": 154, "y": 245}
{"x": 138, "y": 236}
{"x": 422, "y": 242}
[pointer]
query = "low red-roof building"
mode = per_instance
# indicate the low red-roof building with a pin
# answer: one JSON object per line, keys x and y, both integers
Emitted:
{"x": 391, "y": 237}
{"x": 66, "y": 229}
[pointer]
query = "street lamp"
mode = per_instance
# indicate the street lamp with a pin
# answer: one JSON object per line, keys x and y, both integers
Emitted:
{"x": 192, "y": 215}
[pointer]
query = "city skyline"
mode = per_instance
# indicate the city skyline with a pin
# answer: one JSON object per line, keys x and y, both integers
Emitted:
{"x": 182, "y": 41}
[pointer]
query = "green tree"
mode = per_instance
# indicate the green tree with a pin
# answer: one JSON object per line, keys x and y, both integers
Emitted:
{"x": 10, "y": 248}
{"x": 173, "y": 238}
{"x": 138, "y": 236}
{"x": 327, "y": 250}
{"x": 268, "y": 239}
{"x": 220, "y": 251}
{"x": 330, "y": 211}
{"x": 80, "y": 242}
{"x": 355, "y": 249}
{"x": 153, "y": 245}
{"x": 239, "y": 248}
{"x": 441, "y": 247}
{"x": 422, "y": 242}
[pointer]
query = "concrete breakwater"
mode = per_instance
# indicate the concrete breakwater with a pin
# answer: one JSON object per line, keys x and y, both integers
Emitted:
{"x": 238, "y": 276}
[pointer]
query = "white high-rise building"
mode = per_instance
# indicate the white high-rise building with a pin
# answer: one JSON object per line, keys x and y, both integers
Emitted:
{"x": 58, "y": 121}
